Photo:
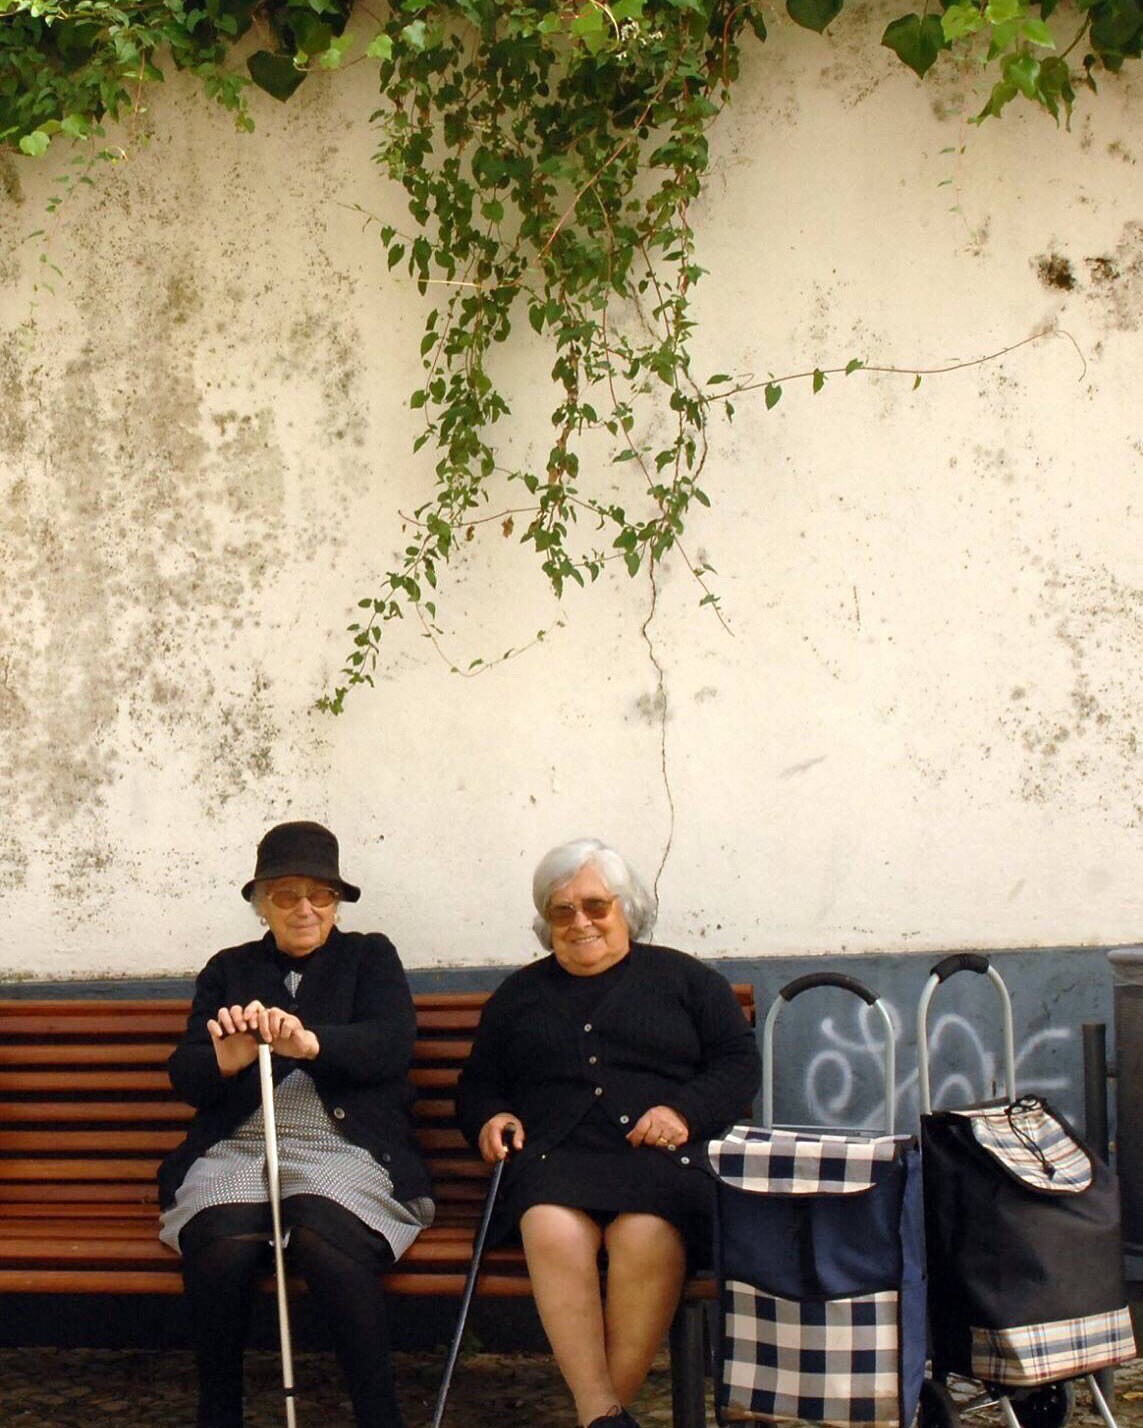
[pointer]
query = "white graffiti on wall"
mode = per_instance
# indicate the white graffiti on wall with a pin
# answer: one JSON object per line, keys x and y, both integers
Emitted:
{"x": 832, "y": 1079}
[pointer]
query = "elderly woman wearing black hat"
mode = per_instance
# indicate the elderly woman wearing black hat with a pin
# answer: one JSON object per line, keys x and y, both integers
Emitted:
{"x": 336, "y": 1011}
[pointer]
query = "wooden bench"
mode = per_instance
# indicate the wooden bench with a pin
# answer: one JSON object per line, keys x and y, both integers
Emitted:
{"x": 87, "y": 1112}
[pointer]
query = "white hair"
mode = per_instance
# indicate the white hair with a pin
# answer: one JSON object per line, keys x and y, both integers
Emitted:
{"x": 557, "y": 868}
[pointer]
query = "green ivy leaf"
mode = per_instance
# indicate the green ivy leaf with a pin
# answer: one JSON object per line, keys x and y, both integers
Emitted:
{"x": 1000, "y": 12}
{"x": 855, "y": 364}
{"x": 961, "y": 20}
{"x": 813, "y": 14}
{"x": 380, "y": 47}
{"x": 35, "y": 143}
{"x": 275, "y": 73}
{"x": 1037, "y": 33}
{"x": 916, "y": 40}
{"x": 819, "y": 380}
{"x": 1023, "y": 70}
{"x": 773, "y": 395}
{"x": 335, "y": 51}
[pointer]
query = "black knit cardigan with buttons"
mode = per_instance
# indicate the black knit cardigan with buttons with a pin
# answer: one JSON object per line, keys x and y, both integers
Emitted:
{"x": 670, "y": 1032}
{"x": 354, "y": 996}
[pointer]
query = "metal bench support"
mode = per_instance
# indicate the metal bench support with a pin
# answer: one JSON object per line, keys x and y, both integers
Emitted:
{"x": 688, "y": 1366}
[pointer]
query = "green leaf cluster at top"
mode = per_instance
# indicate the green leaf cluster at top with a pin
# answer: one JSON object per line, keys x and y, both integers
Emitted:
{"x": 1015, "y": 39}
{"x": 549, "y": 153}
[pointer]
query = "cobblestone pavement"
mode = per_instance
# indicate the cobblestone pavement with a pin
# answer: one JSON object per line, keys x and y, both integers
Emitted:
{"x": 76, "y": 1388}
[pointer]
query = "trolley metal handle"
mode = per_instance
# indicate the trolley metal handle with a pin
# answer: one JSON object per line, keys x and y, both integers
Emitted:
{"x": 944, "y": 969}
{"x": 827, "y": 979}
{"x": 847, "y": 984}
{"x": 960, "y": 962}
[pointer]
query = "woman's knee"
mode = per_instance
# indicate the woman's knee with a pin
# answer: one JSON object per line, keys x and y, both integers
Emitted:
{"x": 644, "y": 1237}
{"x": 560, "y": 1230}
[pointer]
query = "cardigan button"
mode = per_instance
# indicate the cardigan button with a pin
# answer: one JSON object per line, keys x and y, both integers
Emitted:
{"x": 686, "y": 1160}
{"x": 338, "y": 1113}
{"x": 386, "y": 1158}
{"x": 623, "y": 1120}
{"x": 587, "y": 1026}
{"x": 591, "y": 1060}
{"x": 599, "y": 1090}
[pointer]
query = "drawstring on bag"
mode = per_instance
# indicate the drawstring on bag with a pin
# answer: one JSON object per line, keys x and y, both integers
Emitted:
{"x": 1025, "y": 1106}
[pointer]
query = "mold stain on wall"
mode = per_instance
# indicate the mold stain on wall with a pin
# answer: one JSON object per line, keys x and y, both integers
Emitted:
{"x": 136, "y": 541}
{"x": 1082, "y": 741}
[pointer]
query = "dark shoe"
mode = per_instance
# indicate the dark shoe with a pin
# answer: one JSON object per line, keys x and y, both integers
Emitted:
{"x": 622, "y": 1419}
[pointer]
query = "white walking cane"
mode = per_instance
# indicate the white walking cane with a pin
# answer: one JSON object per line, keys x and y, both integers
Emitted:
{"x": 271, "y": 1129}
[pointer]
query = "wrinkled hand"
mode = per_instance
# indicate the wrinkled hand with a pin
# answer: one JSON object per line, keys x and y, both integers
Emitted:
{"x": 500, "y": 1134}
{"x": 660, "y": 1127}
{"x": 237, "y": 1032}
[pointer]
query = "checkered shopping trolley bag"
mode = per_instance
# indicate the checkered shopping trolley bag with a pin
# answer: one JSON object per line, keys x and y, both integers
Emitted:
{"x": 1025, "y": 1256}
{"x": 820, "y": 1262}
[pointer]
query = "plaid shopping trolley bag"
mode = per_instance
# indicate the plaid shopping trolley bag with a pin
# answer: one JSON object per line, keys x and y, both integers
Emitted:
{"x": 1025, "y": 1257}
{"x": 820, "y": 1262}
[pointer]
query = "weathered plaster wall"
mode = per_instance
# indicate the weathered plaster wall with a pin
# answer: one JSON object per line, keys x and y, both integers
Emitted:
{"x": 922, "y": 731}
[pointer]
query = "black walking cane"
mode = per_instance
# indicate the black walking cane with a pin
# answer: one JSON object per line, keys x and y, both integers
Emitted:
{"x": 473, "y": 1270}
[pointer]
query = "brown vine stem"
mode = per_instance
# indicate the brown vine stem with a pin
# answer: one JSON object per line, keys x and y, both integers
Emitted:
{"x": 1037, "y": 336}
{"x": 480, "y": 666}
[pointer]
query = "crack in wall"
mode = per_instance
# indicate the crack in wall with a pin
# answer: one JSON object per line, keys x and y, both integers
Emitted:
{"x": 659, "y": 707}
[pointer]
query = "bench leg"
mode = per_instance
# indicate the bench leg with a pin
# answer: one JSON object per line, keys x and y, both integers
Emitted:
{"x": 688, "y": 1367}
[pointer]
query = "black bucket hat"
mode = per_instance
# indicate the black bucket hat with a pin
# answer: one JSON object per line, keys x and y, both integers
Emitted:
{"x": 300, "y": 850}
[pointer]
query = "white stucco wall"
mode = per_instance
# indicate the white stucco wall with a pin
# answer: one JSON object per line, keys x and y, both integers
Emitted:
{"x": 923, "y": 730}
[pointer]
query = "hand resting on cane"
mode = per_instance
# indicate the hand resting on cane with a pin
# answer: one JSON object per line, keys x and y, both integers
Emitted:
{"x": 237, "y": 1031}
{"x": 500, "y": 1135}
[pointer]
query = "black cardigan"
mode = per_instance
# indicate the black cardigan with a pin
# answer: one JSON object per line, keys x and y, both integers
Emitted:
{"x": 353, "y": 995}
{"x": 670, "y": 1033}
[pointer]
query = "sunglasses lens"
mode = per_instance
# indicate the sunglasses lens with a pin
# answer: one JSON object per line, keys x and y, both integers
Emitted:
{"x": 286, "y": 898}
{"x": 563, "y": 914}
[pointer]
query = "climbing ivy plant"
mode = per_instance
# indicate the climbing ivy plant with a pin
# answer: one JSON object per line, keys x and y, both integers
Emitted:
{"x": 549, "y": 154}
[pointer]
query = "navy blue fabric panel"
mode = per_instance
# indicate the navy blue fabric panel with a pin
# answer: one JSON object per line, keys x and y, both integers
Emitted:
{"x": 815, "y": 1246}
{"x": 914, "y": 1305}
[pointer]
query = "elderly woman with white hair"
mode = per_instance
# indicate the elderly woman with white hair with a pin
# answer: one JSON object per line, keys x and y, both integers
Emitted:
{"x": 601, "y": 1066}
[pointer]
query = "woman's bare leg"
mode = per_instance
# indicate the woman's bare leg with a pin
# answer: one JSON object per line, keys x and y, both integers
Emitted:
{"x": 646, "y": 1266}
{"x": 562, "y": 1246}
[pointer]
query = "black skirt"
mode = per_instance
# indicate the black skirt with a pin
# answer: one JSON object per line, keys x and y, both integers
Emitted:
{"x": 604, "y": 1180}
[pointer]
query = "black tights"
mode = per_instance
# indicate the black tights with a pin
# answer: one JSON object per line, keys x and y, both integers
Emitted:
{"x": 219, "y": 1275}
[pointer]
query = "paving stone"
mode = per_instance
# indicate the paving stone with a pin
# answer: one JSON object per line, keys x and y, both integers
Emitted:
{"x": 74, "y": 1388}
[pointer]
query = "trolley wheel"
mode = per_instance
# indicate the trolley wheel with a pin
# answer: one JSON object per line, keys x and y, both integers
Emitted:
{"x": 1047, "y": 1407}
{"x": 937, "y": 1406}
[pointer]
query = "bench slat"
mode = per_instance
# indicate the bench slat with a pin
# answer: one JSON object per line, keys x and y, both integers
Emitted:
{"x": 106, "y": 1141}
{"x": 92, "y": 1112}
